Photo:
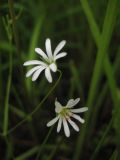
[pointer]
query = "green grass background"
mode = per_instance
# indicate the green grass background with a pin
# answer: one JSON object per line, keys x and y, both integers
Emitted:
{"x": 91, "y": 71}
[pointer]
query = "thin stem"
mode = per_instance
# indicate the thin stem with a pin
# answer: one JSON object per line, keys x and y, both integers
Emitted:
{"x": 44, "y": 142}
{"x": 38, "y": 106}
{"x": 16, "y": 39}
{"x": 6, "y": 110}
{"x": 11, "y": 10}
{"x": 9, "y": 148}
{"x": 27, "y": 154}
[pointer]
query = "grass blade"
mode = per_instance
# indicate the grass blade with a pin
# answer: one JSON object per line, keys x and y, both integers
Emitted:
{"x": 6, "y": 111}
{"x": 103, "y": 43}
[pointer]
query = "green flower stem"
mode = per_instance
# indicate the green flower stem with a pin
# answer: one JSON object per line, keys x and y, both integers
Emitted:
{"x": 38, "y": 106}
{"x": 44, "y": 142}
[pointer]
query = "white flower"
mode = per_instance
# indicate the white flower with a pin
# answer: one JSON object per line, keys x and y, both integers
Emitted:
{"x": 65, "y": 115}
{"x": 48, "y": 62}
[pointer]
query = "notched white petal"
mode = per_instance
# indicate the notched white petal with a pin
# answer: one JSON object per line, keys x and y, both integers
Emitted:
{"x": 78, "y": 118}
{"x": 66, "y": 128}
{"x": 31, "y": 71}
{"x": 59, "y": 124}
{"x": 72, "y": 102}
{"x": 60, "y": 55}
{"x": 73, "y": 124}
{"x": 58, "y": 107}
{"x": 33, "y": 62}
{"x": 48, "y": 75}
{"x": 79, "y": 110}
{"x": 53, "y": 67}
{"x": 37, "y": 73}
{"x": 48, "y": 48}
{"x": 53, "y": 121}
{"x": 41, "y": 53}
{"x": 59, "y": 47}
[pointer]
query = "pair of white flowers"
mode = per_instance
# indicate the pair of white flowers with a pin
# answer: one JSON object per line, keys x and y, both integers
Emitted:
{"x": 64, "y": 114}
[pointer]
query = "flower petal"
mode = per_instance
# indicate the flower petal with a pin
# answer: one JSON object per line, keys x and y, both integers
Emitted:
{"x": 59, "y": 47}
{"x": 53, "y": 121}
{"x": 41, "y": 53}
{"x": 37, "y": 73}
{"x": 31, "y": 71}
{"x": 34, "y": 62}
{"x": 66, "y": 128}
{"x": 72, "y": 102}
{"x": 59, "y": 124}
{"x": 60, "y": 55}
{"x": 53, "y": 67}
{"x": 78, "y": 118}
{"x": 48, "y": 75}
{"x": 58, "y": 107}
{"x": 73, "y": 124}
{"x": 48, "y": 48}
{"x": 79, "y": 110}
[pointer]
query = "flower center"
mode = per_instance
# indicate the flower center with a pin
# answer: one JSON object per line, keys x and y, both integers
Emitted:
{"x": 47, "y": 61}
{"x": 65, "y": 112}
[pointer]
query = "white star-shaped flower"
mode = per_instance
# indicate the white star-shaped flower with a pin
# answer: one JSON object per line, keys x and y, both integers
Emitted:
{"x": 47, "y": 62}
{"x": 65, "y": 114}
